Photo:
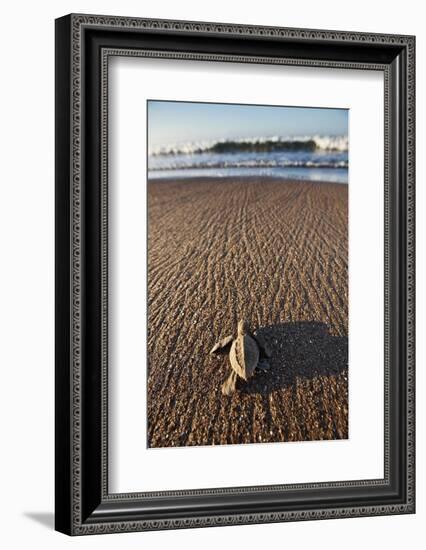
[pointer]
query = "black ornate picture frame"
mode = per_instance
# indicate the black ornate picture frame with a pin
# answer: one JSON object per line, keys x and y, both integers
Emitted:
{"x": 84, "y": 43}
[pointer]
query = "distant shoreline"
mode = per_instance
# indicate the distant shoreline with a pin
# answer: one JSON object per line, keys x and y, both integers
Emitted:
{"x": 230, "y": 179}
{"x": 162, "y": 176}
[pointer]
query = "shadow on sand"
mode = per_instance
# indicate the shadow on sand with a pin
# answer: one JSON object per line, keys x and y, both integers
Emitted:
{"x": 299, "y": 350}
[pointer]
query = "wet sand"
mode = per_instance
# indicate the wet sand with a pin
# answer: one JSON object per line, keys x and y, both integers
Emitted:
{"x": 274, "y": 253}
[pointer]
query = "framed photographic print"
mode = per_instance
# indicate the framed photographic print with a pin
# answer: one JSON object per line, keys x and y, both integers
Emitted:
{"x": 234, "y": 274}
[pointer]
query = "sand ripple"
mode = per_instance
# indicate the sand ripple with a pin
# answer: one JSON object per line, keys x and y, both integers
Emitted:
{"x": 274, "y": 253}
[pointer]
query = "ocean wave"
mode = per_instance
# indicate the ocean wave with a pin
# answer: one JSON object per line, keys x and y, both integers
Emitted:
{"x": 256, "y": 145}
{"x": 255, "y": 163}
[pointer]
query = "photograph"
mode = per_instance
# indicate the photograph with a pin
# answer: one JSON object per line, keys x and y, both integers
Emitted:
{"x": 234, "y": 305}
{"x": 247, "y": 273}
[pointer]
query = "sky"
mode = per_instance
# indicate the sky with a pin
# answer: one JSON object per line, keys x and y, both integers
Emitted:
{"x": 171, "y": 122}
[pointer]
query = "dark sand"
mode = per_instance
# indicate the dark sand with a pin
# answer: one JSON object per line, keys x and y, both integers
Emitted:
{"x": 274, "y": 253}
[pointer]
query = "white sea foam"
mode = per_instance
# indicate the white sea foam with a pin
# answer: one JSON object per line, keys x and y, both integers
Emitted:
{"x": 179, "y": 165}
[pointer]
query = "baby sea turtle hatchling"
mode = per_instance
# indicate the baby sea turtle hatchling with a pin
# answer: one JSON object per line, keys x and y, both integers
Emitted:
{"x": 247, "y": 352}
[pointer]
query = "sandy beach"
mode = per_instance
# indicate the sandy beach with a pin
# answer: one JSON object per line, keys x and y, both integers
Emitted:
{"x": 274, "y": 253}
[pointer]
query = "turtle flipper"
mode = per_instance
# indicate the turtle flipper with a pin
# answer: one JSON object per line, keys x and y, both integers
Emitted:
{"x": 230, "y": 384}
{"x": 222, "y": 346}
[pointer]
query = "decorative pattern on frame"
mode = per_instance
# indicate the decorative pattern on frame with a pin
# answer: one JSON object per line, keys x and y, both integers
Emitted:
{"x": 80, "y": 21}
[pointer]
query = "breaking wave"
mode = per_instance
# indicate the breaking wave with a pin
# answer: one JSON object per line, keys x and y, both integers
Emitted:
{"x": 257, "y": 145}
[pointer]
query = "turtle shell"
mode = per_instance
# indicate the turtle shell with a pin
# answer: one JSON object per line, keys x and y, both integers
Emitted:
{"x": 244, "y": 356}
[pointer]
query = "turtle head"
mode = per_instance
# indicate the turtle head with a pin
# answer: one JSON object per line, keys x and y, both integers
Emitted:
{"x": 242, "y": 327}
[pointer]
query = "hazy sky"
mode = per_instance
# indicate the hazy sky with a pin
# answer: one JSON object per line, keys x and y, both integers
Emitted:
{"x": 175, "y": 122}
